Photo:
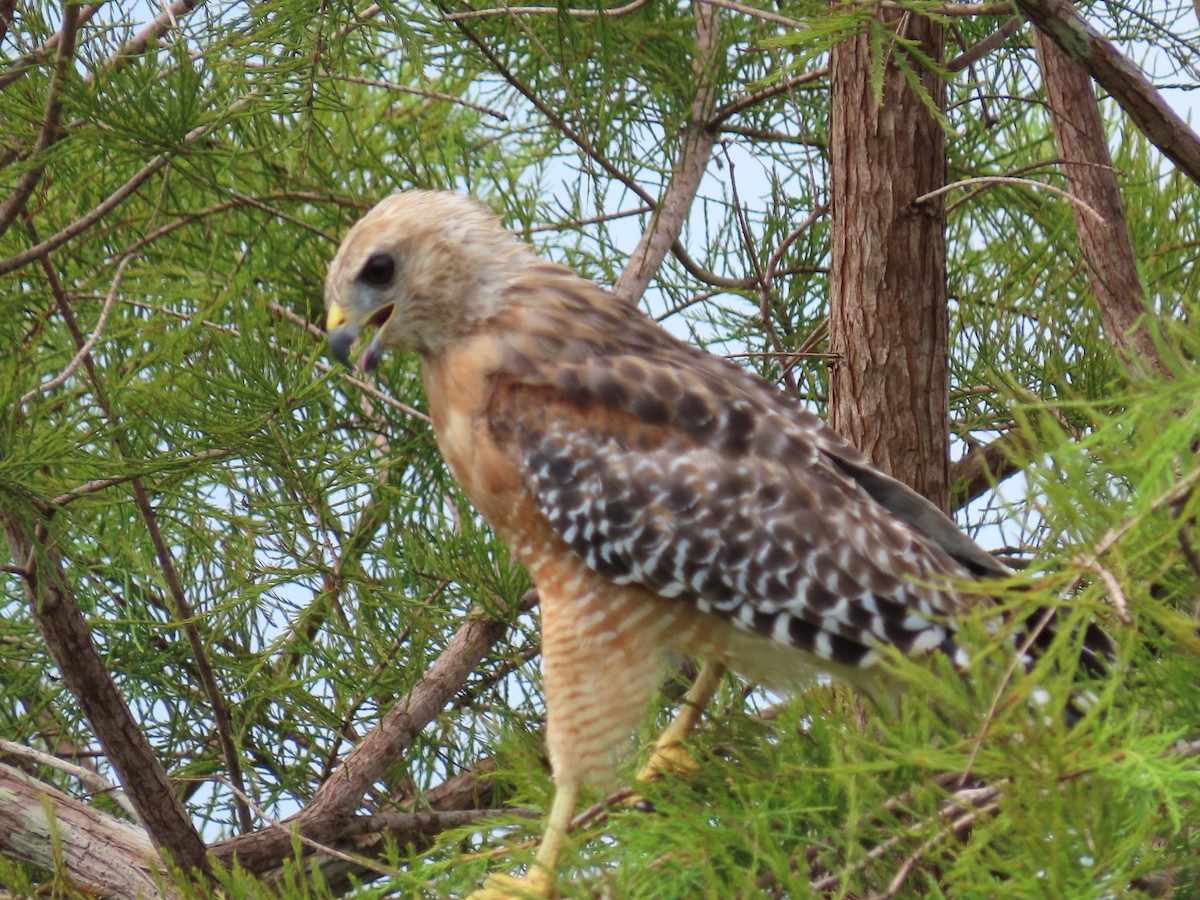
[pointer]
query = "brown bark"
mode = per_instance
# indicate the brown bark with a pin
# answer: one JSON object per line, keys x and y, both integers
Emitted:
{"x": 98, "y": 853}
{"x": 889, "y": 382}
{"x": 85, "y": 674}
{"x": 1107, "y": 245}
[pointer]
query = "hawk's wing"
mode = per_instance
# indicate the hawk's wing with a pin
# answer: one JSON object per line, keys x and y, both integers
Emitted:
{"x": 679, "y": 475}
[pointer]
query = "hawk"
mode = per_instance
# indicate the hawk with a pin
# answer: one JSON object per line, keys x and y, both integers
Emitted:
{"x": 660, "y": 496}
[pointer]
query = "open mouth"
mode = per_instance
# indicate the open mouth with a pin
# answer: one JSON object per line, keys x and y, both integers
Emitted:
{"x": 381, "y": 315}
{"x": 369, "y": 358}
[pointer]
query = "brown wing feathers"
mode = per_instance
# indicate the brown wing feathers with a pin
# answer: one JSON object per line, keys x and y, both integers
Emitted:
{"x": 659, "y": 475}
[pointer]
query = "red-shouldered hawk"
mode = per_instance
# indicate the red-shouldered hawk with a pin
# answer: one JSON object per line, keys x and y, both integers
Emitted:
{"x": 660, "y": 496}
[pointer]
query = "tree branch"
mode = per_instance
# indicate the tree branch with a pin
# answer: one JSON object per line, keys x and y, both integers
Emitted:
{"x": 100, "y": 854}
{"x": 90, "y": 779}
{"x": 983, "y": 468}
{"x": 1124, "y": 81}
{"x": 662, "y": 233}
{"x": 505, "y": 10}
{"x": 978, "y": 51}
{"x": 748, "y": 100}
{"x": 50, "y": 131}
{"x": 145, "y": 39}
{"x": 34, "y": 58}
{"x": 336, "y": 800}
{"x": 84, "y": 672}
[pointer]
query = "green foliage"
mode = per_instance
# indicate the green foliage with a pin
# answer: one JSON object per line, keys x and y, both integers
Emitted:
{"x": 326, "y": 555}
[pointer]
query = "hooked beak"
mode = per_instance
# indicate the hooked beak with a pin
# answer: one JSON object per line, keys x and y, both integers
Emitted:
{"x": 340, "y": 342}
{"x": 341, "y": 334}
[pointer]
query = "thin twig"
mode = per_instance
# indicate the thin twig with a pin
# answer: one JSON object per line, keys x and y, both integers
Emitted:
{"x": 423, "y": 92}
{"x": 564, "y": 224}
{"x": 1007, "y": 179}
{"x": 99, "y": 484}
{"x": 762, "y": 282}
{"x": 612, "y": 13}
{"x": 910, "y": 862}
{"x": 973, "y": 54}
{"x": 1018, "y": 658}
{"x": 1115, "y": 594}
{"x": 86, "y": 350}
{"x": 761, "y": 14}
{"x": 774, "y": 90}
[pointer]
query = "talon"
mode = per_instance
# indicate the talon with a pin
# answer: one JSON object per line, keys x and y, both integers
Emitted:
{"x": 667, "y": 759}
{"x": 537, "y": 884}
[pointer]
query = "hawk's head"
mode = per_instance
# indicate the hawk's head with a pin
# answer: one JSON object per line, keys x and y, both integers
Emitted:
{"x": 424, "y": 267}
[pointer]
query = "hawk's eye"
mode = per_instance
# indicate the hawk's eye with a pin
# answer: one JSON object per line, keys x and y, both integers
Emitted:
{"x": 378, "y": 269}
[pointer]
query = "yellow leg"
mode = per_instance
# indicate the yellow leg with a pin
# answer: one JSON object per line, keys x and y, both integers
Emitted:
{"x": 668, "y": 756}
{"x": 538, "y": 882}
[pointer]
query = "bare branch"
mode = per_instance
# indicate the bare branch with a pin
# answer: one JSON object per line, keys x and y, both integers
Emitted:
{"x": 760, "y": 14}
{"x": 89, "y": 345}
{"x": 90, "y": 779}
{"x": 592, "y": 220}
{"x": 1008, "y": 179}
{"x": 973, "y": 54}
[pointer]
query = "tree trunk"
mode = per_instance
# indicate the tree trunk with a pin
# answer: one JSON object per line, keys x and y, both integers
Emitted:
{"x": 1107, "y": 245}
{"x": 889, "y": 382}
